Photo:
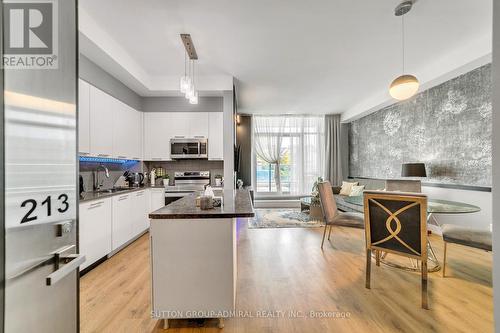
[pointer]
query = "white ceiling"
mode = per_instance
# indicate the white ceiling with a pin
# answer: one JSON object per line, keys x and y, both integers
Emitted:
{"x": 286, "y": 56}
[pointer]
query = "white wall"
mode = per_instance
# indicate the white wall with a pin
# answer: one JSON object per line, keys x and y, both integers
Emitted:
{"x": 480, "y": 220}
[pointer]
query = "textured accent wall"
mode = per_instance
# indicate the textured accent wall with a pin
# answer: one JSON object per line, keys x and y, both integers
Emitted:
{"x": 448, "y": 127}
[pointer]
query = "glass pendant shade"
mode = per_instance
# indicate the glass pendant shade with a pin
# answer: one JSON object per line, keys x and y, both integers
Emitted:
{"x": 194, "y": 98}
{"x": 184, "y": 84}
{"x": 404, "y": 87}
{"x": 189, "y": 92}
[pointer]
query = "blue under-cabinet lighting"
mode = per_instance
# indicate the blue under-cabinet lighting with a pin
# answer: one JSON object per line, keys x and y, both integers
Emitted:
{"x": 105, "y": 160}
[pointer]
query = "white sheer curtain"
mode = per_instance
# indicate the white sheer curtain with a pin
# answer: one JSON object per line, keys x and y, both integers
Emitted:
{"x": 268, "y": 134}
{"x": 300, "y": 141}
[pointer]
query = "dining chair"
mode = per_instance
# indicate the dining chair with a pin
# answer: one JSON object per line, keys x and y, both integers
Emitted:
{"x": 332, "y": 215}
{"x": 403, "y": 185}
{"x": 396, "y": 222}
{"x": 475, "y": 238}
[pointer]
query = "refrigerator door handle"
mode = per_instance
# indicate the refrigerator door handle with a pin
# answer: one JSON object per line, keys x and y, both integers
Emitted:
{"x": 75, "y": 261}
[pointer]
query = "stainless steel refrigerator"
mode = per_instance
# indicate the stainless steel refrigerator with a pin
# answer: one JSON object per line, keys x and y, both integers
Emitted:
{"x": 39, "y": 168}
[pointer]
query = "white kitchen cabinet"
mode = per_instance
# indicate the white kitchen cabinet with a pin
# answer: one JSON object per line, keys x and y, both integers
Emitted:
{"x": 187, "y": 125}
{"x": 157, "y": 133}
{"x": 127, "y": 132}
{"x": 198, "y": 124}
{"x": 95, "y": 230}
{"x": 83, "y": 118}
{"x": 122, "y": 221}
{"x": 139, "y": 212}
{"x": 157, "y": 198}
{"x": 215, "y": 136}
{"x": 101, "y": 123}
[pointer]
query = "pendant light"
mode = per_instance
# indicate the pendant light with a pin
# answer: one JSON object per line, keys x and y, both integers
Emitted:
{"x": 406, "y": 85}
{"x": 185, "y": 80}
{"x": 193, "y": 98}
{"x": 187, "y": 83}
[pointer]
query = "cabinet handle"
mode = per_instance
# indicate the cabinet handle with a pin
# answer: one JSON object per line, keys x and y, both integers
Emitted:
{"x": 123, "y": 198}
{"x": 83, "y": 153}
{"x": 156, "y": 158}
{"x": 122, "y": 156}
{"x": 136, "y": 158}
{"x": 103, "y": 155}
{"x": 199, "y": 136}
{"x": 95, "y": 204}
{"x": 140, "y": 193}
{"x": 179, "y": 136}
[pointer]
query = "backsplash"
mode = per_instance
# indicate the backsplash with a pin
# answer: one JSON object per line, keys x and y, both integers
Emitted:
{"x": 448, "y": 127}
{"x": 115, "y": 171}
{"x": 215, "y": 167}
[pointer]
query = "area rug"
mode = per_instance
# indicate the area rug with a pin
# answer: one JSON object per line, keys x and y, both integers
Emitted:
{"x": 282, "y": 218}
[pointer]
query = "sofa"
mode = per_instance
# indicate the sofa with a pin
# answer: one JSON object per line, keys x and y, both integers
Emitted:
{"x": 370, "y": 184}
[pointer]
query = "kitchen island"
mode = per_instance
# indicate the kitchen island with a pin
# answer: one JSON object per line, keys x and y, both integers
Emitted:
{"x": 193, "y": 257}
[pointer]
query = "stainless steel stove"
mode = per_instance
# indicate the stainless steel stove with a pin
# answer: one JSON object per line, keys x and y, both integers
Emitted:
{"x": 185, "y": 183}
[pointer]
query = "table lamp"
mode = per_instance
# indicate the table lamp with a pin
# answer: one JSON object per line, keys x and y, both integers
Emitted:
{"x": 413, "y": 170}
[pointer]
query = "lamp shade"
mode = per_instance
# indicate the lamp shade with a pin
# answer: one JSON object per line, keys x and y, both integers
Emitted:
{"x": 413, "y": 170}
{"x": 403, "y": 87}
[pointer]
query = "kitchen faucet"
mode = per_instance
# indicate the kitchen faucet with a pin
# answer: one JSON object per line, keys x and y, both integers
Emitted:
{"x": 95, "y": 176}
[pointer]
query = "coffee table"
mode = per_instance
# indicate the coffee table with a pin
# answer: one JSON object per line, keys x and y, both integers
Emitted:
{"x": 314, "y": 211}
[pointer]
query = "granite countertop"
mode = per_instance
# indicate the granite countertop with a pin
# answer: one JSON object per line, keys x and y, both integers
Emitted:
{"x": 237, "y": 203}
{"x": 89, "y": 196}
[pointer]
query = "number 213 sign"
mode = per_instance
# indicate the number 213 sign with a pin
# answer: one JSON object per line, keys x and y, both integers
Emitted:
{"x": 61, "y": 205}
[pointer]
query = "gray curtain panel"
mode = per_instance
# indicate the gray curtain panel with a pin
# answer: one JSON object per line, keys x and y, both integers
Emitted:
{"x": 333, "y": 160}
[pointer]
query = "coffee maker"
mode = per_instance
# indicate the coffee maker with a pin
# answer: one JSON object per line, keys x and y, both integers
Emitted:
{"x": 134, "y": 179}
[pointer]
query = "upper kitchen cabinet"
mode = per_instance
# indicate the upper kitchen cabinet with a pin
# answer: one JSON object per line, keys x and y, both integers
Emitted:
{"x": 83, "y": 118}
{"x": 198, "y": 122}
{"x": 157, "y": 132}
{"x": 101, "y": 123}
{"x": 188, "y": 124}
{"x": 215, "y": 136}
{"x": 127, "y": 132}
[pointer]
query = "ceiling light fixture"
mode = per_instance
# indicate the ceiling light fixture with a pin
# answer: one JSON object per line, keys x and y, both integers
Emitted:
{"x": 187, "y": 82}
{"x": 406, "y": 85}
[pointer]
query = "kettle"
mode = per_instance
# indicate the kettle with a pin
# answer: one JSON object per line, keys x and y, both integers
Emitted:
{"x": 134, "y": 179}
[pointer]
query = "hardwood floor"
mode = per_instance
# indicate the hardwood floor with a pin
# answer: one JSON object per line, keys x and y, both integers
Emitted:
{"x": 285, "y": 270}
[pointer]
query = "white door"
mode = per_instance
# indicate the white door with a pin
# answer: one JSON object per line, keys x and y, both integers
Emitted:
{"x": 122, "y": 230}
{"x": 157, "y": 128}
{"x": 101, "y": 123}
{"x": 139, "y": 206}
{"x": 95, "y": 230}
{"x": 215, "y": 136}
{"x": 83, "y": 118}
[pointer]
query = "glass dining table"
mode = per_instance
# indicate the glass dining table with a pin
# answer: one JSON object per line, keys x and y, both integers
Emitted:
{"x": 434, "y": 206}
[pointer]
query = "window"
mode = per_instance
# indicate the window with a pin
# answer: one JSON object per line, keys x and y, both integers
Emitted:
{"x": 296, "y": 144}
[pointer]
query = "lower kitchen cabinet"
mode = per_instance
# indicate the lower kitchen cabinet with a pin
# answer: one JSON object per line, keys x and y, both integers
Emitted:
{"x": 139, "y": 212}
{"x": 122, "y": 220}
{"x": 95, "y": 230}
{"x": 157, "y": 198}
{"x": 107, "y": 224}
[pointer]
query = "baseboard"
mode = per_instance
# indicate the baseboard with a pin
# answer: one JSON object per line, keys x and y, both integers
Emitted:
{"x": 277, "y": 204}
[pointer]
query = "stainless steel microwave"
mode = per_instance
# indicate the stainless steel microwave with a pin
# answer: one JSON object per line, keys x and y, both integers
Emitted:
{"x": 188, "y": 148}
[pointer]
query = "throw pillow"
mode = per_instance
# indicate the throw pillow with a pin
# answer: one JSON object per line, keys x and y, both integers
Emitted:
{"x": 346, "y": 188}
{"x": 357, "y": 190}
